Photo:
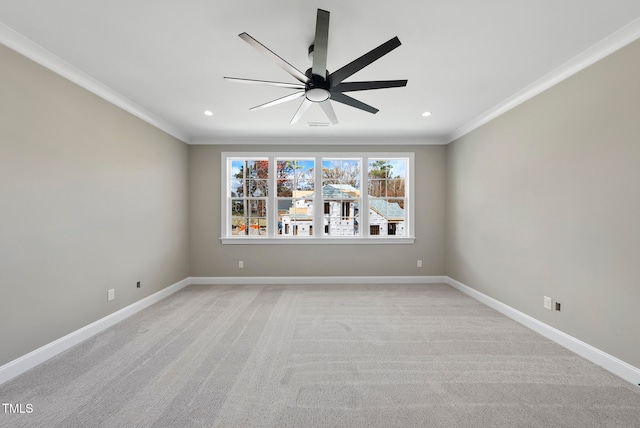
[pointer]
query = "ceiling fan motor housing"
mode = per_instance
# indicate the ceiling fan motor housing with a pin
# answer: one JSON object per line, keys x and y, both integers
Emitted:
{"x": 317, "y": 88}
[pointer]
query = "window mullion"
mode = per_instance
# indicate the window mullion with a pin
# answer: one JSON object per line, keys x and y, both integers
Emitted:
{"x": 226, "y": 198}
{"x": 272, "y": 205}
{"x": 364, "y": 198}
{"x": 409, "y": 197}
{"x": 318, "y": 202}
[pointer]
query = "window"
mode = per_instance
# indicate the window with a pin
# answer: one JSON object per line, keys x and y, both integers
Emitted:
{"x": 341, "y": 196}
{"x": 248, "y": 198}
{"x": 347, "y": 197}
{"x": 387, "y": 197}
{"x": 294, "y": 185}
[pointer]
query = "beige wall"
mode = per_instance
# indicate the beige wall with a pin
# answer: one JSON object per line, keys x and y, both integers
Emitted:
{"x": 545, "y": 200}
{"x": 211, "y": 258}
{"x": 91, "y": 198}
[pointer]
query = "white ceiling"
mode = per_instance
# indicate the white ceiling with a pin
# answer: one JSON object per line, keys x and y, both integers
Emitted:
{"x": 466, "y": 61}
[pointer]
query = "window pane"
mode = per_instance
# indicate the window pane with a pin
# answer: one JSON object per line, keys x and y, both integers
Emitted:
{"x": 387, "y": 217}
{"x": 377, "y": 187}
{"x": 248, "y": 217}
{"x": 235, "y": 183}
{"x": 387, "y": 177}
{"x": 295, "y": 217}
{"x": 258, "y": 188}
{"x": 341, "y": 217}
{"x": 258, "y": 226}
{"x": 249, "y": 178}
{"x": 294, "y": 174}
{"x": 257, "y": 169}
{"x": 237, "y": 217}
{"x": 341, "y": 172}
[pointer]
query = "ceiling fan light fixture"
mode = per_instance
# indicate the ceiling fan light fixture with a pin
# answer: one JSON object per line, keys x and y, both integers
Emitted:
{"x": 317, "y": 95}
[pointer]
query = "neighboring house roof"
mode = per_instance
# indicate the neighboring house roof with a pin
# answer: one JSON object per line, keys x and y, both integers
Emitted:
{"x": 390, "y": 210}
{"x": 328, "y": 191}
{"x": 331, "y": 191}
{"x": 284, "y": 205}
{"x": 339, "y": 191}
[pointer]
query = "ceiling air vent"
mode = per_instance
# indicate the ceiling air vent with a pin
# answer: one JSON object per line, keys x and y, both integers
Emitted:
{"x": 318, "y": 124}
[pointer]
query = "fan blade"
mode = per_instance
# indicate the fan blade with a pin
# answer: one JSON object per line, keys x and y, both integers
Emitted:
{"x": 320, "y": 44}
{"x": 279, "y": 100}
{"x": 345, "y": 99}
{"x": 328, "y": 110}
{"x": 303, "y": 107}
{"x": 365, "y": 86}
{"x": 266, "y": 82}
{"x": 275, "y": 58}
{"x": 356, "y": 65}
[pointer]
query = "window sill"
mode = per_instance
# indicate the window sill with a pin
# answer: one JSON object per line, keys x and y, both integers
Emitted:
{"x": 317, "y": 241}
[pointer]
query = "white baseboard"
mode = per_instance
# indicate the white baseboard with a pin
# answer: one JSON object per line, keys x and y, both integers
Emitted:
{"x": 40, "y": 355}
{"x": 217, "y": 280}
{"x": 50, "y": 350}
{"x": 609, "y": 362}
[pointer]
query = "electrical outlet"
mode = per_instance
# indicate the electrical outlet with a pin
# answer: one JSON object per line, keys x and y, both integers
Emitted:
{"x": 111, "y": 294}
{"x": 419, "y": 263}
{"x": 241, "y": 264}
{"x": 138, "y": 284}
{"x": 558, "y": 306}
{"x": 547, "y": 303}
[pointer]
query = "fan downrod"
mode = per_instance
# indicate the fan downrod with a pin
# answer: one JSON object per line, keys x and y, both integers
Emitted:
{"x": 317, "y": 89}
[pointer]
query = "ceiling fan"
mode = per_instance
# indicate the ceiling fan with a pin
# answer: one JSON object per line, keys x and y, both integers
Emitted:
{"x": 317, "y": 85}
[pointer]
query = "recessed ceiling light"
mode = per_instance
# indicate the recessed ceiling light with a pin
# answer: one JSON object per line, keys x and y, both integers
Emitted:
{"x": 208, "y": 113}
{"x": 426, "y": 114}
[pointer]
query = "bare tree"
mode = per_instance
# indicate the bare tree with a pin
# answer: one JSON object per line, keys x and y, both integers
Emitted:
{"x": 340, "y": 172}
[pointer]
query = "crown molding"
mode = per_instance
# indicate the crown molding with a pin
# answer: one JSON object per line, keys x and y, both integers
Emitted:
{"x": 26, "y": 47}
{"x": 322, "y": 141}
{"x": 617, "y": 40}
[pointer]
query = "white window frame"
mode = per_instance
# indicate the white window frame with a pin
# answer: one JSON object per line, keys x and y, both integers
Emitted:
{"x": 318, "y": 238}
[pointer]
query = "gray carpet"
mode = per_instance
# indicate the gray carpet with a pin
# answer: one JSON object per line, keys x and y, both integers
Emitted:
{"x": 320, "y": 356}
